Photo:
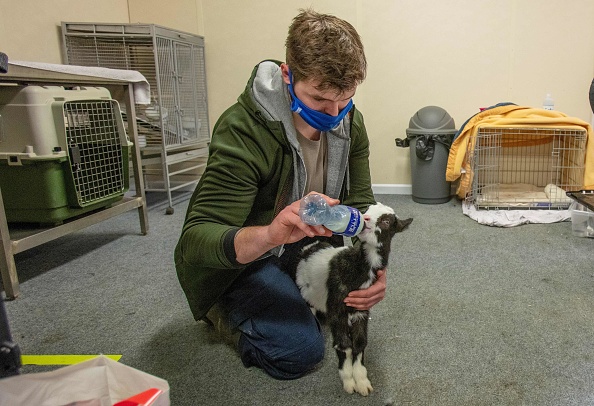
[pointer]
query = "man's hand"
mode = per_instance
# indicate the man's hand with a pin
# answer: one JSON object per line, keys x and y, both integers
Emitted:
{"x": 286, "y": 228}
{"x": 365, "y": 299}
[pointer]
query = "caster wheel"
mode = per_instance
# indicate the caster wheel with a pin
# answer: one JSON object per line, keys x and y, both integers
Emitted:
{"x": 169, "y": 210}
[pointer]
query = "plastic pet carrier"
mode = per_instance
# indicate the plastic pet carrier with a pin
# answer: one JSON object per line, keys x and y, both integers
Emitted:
{"x": 63, "y": 152}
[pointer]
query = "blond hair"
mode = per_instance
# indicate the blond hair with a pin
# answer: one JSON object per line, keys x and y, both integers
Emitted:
{"x": 327, "y": 49}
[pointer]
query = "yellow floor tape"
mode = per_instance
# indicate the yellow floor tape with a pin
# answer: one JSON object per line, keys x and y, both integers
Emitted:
{"x": 60, "y": 359}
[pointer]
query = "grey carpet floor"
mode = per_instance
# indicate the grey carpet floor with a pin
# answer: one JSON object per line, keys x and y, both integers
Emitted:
{"x": 474, "y": 315}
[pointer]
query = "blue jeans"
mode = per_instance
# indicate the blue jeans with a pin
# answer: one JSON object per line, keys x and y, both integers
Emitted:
{"x": 279, "y": 332}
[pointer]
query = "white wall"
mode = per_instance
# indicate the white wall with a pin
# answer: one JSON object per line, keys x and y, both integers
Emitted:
{"x": 456, "y": 54}
{"x": 459, "y": 55}
{"x": 30, "y": 29}
{"x": 183, "y": 15}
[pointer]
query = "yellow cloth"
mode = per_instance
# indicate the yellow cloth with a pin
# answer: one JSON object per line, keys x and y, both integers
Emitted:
{"x": 511, "y": 116}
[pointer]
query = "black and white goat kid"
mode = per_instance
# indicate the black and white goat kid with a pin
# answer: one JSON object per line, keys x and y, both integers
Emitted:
{"x": 325, "y": 275}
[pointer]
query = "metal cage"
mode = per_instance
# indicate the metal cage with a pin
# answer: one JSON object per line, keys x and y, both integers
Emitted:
{"x": 526, "y": 168}
{"x": 173, "y": 130}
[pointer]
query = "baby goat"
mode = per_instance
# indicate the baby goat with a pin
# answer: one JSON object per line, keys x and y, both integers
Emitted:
{"x": 325, "y": 275}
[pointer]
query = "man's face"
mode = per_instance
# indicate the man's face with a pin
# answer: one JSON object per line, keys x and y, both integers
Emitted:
{"x": 327, "y": 101}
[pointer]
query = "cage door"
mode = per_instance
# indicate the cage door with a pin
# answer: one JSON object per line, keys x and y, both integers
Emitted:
{"x": 95, "y": 150}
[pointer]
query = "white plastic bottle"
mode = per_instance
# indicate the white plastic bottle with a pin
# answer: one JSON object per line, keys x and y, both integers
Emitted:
{"x": 340, "y": 219}
{"x": 548, "y": 103}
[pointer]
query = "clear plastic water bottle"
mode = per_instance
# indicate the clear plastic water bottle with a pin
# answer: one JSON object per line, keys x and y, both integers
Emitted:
{"x": 339, "y": 219}
{"x": 548, "y": 103}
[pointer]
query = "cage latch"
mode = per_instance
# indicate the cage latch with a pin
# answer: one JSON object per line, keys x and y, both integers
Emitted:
{"x": 74, "y": 152}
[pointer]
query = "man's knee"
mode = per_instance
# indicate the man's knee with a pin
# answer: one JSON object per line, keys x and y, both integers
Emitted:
{"x": 291, "y": 364}
{"x": 309, "y": 356}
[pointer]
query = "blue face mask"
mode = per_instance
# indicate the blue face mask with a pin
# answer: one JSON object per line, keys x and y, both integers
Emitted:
{"x": 316, "y": 119}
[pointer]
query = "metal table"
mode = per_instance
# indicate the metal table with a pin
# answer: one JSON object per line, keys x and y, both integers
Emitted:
{"x": 14, "y": 241}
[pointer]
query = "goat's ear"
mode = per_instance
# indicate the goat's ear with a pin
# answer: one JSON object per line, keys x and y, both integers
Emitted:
{"x": 402, "y": 225}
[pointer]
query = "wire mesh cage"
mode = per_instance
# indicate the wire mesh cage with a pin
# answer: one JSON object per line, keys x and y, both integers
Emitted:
{"x": 526, "y": 168}
{"x": 173, "y": 62}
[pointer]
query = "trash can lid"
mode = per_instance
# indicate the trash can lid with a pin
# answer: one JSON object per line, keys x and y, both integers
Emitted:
{"x": 431, "y": 120}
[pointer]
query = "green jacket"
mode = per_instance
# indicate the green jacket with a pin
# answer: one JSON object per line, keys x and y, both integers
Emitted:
{"x": 248, "y": 180}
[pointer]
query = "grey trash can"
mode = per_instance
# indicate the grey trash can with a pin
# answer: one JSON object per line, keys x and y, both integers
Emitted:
{"x": 430, "y": 134}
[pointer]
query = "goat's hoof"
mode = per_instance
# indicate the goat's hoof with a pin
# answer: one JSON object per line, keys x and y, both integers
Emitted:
{"x": 364, "y": 387}
{"x": 349, "y": 385}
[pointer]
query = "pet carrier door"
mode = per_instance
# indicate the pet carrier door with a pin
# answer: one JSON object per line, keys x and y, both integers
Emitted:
{"x": 93, "y": 135}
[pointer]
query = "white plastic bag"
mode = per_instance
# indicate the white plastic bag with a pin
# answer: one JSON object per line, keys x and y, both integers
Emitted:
{"x": 97, "y": 382}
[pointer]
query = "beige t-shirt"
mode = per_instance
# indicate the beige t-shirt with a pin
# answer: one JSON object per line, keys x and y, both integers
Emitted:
{"x": 315, "y": 158}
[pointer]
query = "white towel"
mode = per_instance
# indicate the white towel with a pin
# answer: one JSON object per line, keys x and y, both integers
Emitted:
{"x": 142, "y": 94}
{"x": 511, "y": 218}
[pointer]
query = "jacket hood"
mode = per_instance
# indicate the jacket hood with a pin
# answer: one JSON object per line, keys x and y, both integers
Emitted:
{"x": 267, "y": 98}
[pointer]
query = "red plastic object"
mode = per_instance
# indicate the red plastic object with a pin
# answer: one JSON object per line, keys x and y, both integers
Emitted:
{"x": 145, "y": 398}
